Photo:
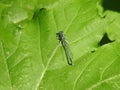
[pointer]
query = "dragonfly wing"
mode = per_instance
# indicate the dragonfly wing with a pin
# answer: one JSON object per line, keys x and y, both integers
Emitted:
{"x": 67, "y": 52}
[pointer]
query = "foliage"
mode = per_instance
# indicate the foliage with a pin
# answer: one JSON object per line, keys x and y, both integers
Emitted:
{"x": 31, "y": 57}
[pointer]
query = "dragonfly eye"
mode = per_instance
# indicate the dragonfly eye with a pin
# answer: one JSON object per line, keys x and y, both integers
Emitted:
{"x": 60, "y": 35}
{"x": 57, "y": 34}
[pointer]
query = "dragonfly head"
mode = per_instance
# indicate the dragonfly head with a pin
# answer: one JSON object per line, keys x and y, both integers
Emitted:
{"x": 60, "y": 35}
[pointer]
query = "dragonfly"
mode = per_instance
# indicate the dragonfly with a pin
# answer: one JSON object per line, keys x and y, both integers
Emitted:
{"x": 62, "y": 40}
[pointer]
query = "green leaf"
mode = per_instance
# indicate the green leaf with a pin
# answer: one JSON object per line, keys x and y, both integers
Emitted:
{"x": 31, "y": 57}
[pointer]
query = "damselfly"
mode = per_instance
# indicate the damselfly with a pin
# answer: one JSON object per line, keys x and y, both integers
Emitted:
{"x": 64, "y": 43}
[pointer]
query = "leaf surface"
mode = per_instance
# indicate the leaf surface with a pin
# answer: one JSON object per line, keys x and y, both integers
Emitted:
{"x": 31, "y": 57}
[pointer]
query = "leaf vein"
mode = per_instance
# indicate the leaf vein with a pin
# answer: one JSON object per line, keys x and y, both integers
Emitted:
{"x": 6, "y": 64}
{"x": 106, "y": 80}
{"x": 66, "y": 30}
{"x": 107, "y": 67}
{"x": 49, "y": 60}
{"x": 76, "y": 80}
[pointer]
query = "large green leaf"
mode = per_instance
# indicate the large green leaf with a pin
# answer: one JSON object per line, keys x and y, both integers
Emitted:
{"x": 31, "y": 57}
